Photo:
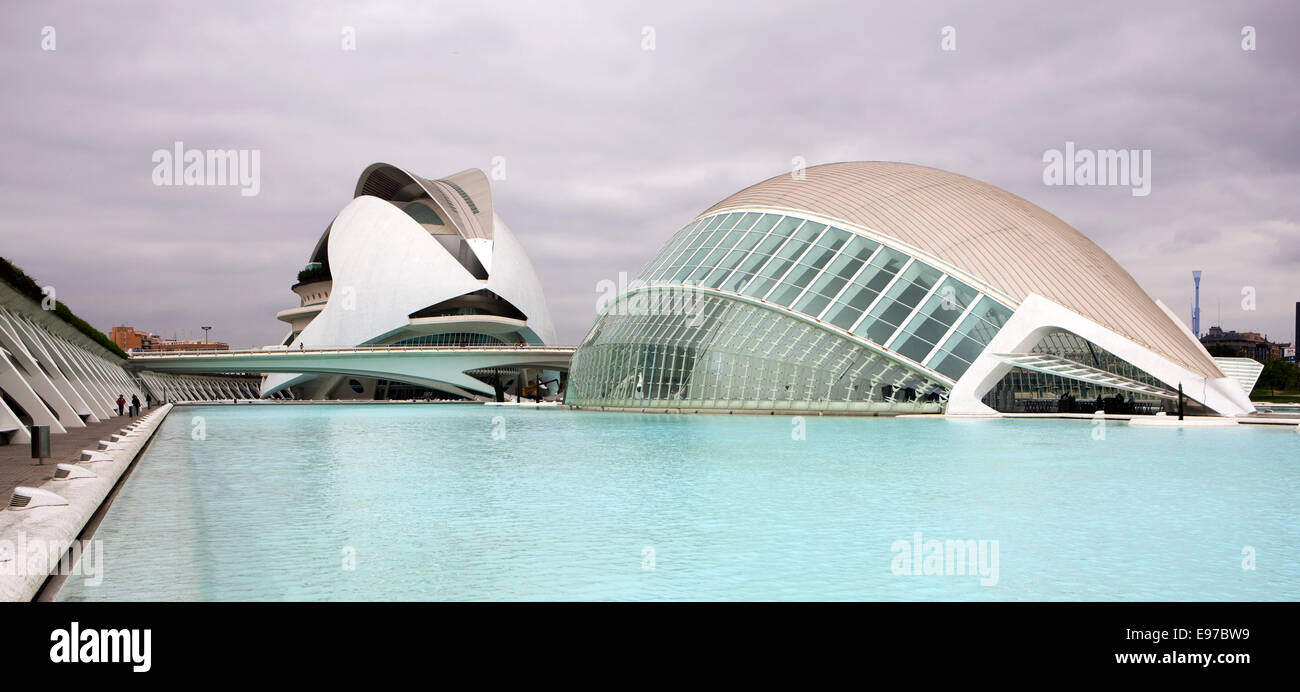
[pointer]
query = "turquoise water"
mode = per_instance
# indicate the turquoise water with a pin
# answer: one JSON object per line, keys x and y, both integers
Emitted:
{"x": 422, "y": 502}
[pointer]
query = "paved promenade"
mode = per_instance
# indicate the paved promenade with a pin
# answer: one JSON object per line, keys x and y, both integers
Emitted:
{"x": 17, "y": 467}
{"x": 32, "y": 540}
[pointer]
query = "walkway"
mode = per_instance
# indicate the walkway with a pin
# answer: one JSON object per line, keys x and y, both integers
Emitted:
{"x": 17, "y": 467}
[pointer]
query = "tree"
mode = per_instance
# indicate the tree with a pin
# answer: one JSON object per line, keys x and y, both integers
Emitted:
{"x": 1278, "y": 374}
{"x": 1223, "y": 351}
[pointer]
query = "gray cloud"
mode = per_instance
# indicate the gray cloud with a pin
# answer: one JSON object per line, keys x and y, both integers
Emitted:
{"x": 609, "y": 148}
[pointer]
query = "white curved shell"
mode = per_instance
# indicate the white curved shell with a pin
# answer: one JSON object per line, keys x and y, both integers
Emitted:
{"x": 385, "y": 266}
{"x": 998, "y": 238}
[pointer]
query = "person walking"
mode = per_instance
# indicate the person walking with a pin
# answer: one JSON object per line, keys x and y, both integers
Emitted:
{"x": 121, "y": 402}
{"x": 148, "y": 400}
{"x": 135, "y": 405}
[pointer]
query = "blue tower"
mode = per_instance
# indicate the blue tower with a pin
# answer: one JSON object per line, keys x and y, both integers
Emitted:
{"x": 1196, "y": 306}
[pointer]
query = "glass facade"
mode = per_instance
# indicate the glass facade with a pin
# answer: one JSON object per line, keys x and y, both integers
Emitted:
{"x": 837, "y": 277}
{"x": 733, "y": 354}
{"x": 1023, "y": 390}
{"x": 723, "y": 353}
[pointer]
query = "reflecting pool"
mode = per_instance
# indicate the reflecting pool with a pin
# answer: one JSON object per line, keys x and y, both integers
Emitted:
{"x": 431, "y": 502}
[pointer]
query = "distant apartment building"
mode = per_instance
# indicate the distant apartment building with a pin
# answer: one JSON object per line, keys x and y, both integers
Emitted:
{"x": 1246, "y": 344}
{"x": 130, "y": 338}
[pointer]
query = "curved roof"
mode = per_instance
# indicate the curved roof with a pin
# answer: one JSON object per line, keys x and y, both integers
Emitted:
{"x": 1005, "y": 241}
{"x": 465, "y": 198}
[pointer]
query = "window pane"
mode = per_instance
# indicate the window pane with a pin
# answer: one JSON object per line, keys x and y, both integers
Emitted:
{"x": 833, "y": 238}
{"x": 875, "y": 330}
{"x": 818, "y": 256}
{"x": 746, "y": 221}
{"x": 786, "y": 227}
{"x": 812, "y": 304}
{"x": 801, "y": 276}
{"x": 862, "y": 248}
{"x": 952, "y": 366}
{"x": 766, "y": 223}
{"x": 827, "y": 284}
{"x": 785, "y": 294}
{"x": 913, "y": 347}
{"x": 927, "y": 328}
{"x": 860, "y": 298}
{"x": 846, "y": 265}
{"x": 810, "y": 231}
{"x": 882, "y": 269}
{"x": 843, "y": 315}
{"x": 968, "y": 349}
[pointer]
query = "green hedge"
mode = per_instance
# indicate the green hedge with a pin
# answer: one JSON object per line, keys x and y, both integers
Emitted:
{"x": 320, "y": 273}
{"x": 27, "y": 286}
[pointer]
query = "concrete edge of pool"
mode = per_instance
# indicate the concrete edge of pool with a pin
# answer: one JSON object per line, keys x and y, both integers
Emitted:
{"x": 51, "y": 530}
{"x": 1136, "y": 420}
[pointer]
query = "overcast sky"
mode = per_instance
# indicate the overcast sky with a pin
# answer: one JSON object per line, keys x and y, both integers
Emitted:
{"x": 609, "y": 148}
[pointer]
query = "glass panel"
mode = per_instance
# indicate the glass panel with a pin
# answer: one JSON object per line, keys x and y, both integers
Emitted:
{"x": 788, "y": 292}
{"x": 760, "y": 285}
{"x": 843, "y": 315}
{"x": 786, "y": 227}
{"x": 932, "y": 321}
{"x": 716, "y": 256}
{"x": 952, "y": 366}
{"x": 751, "y": 264}
{"x": 860, "y": 298}
{"x": 912, "y": 347}
{"x": 746, "y": 221}
{"x": 729, "y": 241}
{"x": 729, "y": 262}
{"x": 809, "y": 231}
{"x": 749, "y": 240}
{"x": 713, "y": 222}
{"x": 969, "y": 339}
{"x": 910, "y": 288}
{"x": 801, "y": 276}
{"x": 828, "y": 284}
{"x": 966, "y": 348}
{"x": 812, "y": 303}
{"x": 766, "y": 223}
{"x": 949, "y": 301}
{"x": 738, "y": 356}
{"x": 817, "y": 257}
{"x": 862, "y": 248}
{"x": 875, "y": 330}
{"x": 729, "y": 221}
{"x": 848, "y": 263}
{"x": 882, "y": 269}
{"x": 679, "y": 242}
{"x": 927, "y": 328}
{"x": 898, "y": 303}
{"x": 833, "y": 238}
{"x": 992, "y": 313}
{"x": 777, "y": 268}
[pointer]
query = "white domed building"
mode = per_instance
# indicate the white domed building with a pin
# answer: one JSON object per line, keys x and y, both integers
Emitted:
{"x": 885, "y": 288}
{"x": 412, "y": 262}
